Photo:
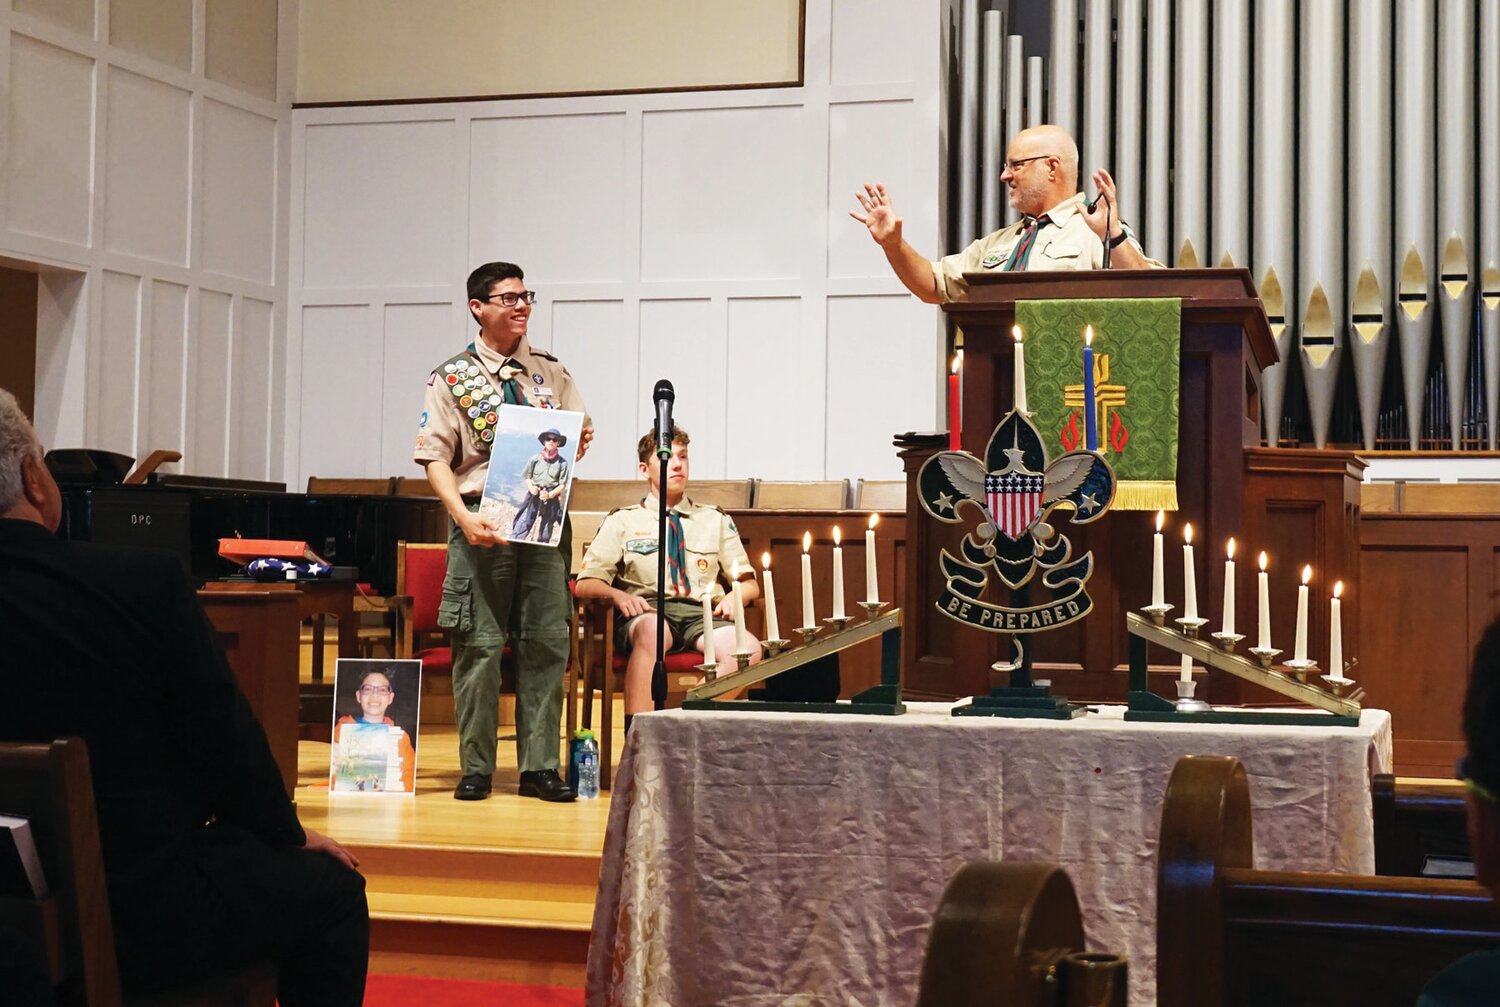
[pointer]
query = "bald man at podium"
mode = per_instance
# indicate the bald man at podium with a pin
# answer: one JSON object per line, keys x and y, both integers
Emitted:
{"x": 1058, "y": 229}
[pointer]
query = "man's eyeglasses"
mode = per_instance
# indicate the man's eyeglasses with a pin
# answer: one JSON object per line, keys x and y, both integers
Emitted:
{"x": 510, "y": 299}
{"x": 375, "y": 690}
{"x": 1015, "y": 164}
{"x": 1472, "y": 785}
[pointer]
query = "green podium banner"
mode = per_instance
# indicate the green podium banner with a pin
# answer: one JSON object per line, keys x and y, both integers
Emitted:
{"x": 1136, "y": 364}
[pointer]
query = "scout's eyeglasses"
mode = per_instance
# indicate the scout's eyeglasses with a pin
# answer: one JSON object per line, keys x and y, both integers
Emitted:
{"x": 375, "y": 690}
{"x": 1472, "y": 785}
{"x": 510, "y": 299}
{"x": 1016, "y": 164}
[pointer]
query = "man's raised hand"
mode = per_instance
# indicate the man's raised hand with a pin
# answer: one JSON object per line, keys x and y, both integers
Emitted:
{"x": 878, "y": 217}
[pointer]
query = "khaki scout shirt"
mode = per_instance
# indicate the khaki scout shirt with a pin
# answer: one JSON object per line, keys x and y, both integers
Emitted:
{"x": 445, "y": 434}
{"x": 544, "y": 474}
{"x": 624, "y": 551}
{"x": 1066, "y": 243}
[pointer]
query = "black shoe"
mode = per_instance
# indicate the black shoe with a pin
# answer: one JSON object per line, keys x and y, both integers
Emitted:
{"x": 546, "y": 784}
{"x": 472, "y": 788}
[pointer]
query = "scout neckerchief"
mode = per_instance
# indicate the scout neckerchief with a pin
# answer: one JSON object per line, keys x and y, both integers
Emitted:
{"x": 676, "y": 554}
{"x": 478, "y": 398}
{"x": 1022, "y": 252}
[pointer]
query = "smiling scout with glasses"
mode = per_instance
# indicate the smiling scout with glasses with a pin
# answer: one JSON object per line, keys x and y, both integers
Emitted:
{"x": 1058, "y": 230}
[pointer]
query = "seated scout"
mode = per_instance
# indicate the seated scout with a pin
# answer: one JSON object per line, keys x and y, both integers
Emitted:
{"x": 702, "y": 545}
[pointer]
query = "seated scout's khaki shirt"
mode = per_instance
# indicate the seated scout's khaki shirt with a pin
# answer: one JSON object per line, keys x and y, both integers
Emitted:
{"x": 624, "y": 551}
{"x": 1066, "y": 242}
{"x": 444, "y": 433}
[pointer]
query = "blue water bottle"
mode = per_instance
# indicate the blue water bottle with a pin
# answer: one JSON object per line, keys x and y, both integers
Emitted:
{"x": 587, "y": 761}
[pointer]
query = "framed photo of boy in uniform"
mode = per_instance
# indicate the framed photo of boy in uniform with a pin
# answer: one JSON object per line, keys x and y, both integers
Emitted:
{"x": 531, "y": 473}
{"x": 376, "y": 713}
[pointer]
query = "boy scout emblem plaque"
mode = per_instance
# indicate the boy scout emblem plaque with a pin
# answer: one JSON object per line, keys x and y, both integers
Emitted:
{"x": 1013, "y": 492}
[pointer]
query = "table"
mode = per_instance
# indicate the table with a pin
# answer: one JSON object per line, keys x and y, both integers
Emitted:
{"x": 759, "y": 860}
{"x": 317, "y": 599}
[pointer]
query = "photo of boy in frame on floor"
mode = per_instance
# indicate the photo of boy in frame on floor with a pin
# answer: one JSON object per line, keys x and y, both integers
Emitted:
{"x": 376, "y": 711}
{"x": 531, "y": 473}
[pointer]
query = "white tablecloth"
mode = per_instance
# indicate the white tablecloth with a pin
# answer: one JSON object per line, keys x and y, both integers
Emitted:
{"x": 760, "y": 860}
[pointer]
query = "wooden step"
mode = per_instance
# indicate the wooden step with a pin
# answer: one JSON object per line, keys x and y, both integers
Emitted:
{"x": 479, "y": 912}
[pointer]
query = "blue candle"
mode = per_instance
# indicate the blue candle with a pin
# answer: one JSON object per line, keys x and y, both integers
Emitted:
{"x": 1090, "y": 427}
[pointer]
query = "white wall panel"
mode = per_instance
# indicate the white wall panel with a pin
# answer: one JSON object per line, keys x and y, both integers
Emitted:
{"x": 598, "y": 345}
{"x": 859, "y": 151}
{"x": 118, "y": 360}
{"x": 50, "y": 160}
{"x": 718, "y": 200}
{"x": 146, "y": 189}
{"x": 683, "y": 342}
{"x": 580, "y": 238}
{"x": 871, "y": 397}
{"x": 774, "y": 399}
{"x": 164, "y": 369}
{"x": 861, "y": 49}
{"x": 250, "y": 397}
{"x": 338, "y": 370}
{"x": 239, "y": 193}
{"x": 210, "y": 350}
{"x": 378, "y": 198}
{"x": 413, "y": 347}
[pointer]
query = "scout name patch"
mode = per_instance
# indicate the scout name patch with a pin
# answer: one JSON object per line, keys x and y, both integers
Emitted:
{"x": 642, "y": 546}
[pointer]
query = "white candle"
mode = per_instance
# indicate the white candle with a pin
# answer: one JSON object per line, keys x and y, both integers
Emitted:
{"x": 741, "y": 645}
{"x": 1158, "y": 588}
{"x": 1299, "y": 650}
{"x": 838, "y": 575}
{"x": 1189, "y": 575}
{"x": 1187, "y": 669}
{"x": 872, "y": 583}
{"x": 708, "y": 622}
{"x": 1020, "y": 365}
{"x": 1264, "y": 584}
{"x": 808, "y": 619}
{"x": 1336, "y": 632}
{"x": 1229, "y": 591}
{"x": 773, "y": 628}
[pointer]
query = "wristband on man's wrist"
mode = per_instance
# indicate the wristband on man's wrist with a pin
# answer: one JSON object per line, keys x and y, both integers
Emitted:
{"x": 1118, "y": 239}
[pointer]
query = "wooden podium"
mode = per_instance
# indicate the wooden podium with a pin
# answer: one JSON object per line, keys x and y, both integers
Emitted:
{"x": 1226, "y": 344}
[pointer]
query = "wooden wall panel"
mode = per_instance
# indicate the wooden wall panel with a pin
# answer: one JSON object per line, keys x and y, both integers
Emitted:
{"x": 1432, "y": 584}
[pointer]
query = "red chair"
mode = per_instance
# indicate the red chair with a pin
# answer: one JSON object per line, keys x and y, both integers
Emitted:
{"x": 420, "y": 568}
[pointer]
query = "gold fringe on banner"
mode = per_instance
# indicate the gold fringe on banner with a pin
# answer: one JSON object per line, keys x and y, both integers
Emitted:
{"x": 1144, "y": 494}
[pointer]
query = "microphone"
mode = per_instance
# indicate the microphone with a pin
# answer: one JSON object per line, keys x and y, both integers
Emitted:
{"x": 664, "y": 396}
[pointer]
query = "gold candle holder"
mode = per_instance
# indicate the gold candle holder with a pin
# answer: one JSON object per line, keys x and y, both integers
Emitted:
{"x": 872, "y": 608}
{"x": 1157, "y": 613}
{"x": 709, "y": 670}
{"x": 1265, "y": 655}
{"x": 742, "y": 660}
{"x": 838, "y": 622}
{"x": 1301, "y": 668}
{"x": 1338, "y": 684}
{"x": 1190, "y": 627}
{"x": 1227, "y": 641}
{"x": 807, "y": 633}
{"x": 774, "y": 647}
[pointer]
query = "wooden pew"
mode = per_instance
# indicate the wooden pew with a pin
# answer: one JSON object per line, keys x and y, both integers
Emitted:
{"x": 1230, "y": 934}
{"x": 1012, "y": 934}
{"x": 1414, "y": 821}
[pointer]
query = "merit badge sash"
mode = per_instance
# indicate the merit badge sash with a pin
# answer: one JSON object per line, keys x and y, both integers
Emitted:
{"x": 478, "y": 397}
{"x": 1136, "y": 368}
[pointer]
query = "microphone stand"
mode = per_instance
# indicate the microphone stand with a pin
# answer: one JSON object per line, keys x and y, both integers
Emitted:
{"x": 659, "y": 672}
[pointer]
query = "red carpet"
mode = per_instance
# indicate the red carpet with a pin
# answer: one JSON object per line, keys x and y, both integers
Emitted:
{"x": 402, "y": 991}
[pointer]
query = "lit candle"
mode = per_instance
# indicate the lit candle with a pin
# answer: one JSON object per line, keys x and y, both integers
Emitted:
{"x": 1264, "y": 584}
{"x": 1020, "y": 364}
{"x": 872, "y": 582}
{"x": 1187, "y": 669}
{"x": 838, "y": 575}
{"x": 708, "y": 622}
{"x": 955, "y": 425}
{"x": 807, "y": 597}
{"x": 1158, "y": 564}
{"x": 1336, "y": 632}
{"x": 1229, "y": 591}
{"x": 1189, "y": 575}
{"x": 741, "y": 646}
{"x": 1090, "y": 426}
{"x": 1299, "y": 650}
{"x": 773, "y": 628}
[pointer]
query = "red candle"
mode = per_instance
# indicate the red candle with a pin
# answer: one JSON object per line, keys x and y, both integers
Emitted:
{"x": 955, "y": 426}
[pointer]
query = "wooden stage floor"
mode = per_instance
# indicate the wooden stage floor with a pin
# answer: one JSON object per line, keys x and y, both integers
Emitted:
{"x": 500, "y": 889}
